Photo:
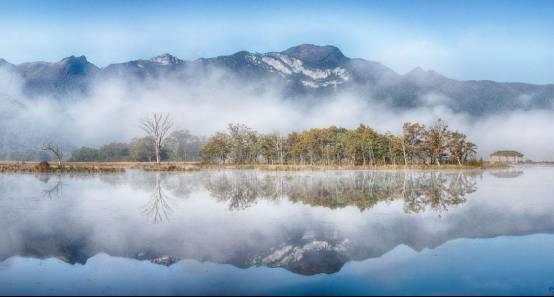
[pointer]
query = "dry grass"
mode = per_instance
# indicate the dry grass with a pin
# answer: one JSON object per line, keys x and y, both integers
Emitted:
{"x": 108, "y": 167}
{"x": 36, "y": 167}
{"x": 93, "y": 167}
{"x": 292, "y": 167}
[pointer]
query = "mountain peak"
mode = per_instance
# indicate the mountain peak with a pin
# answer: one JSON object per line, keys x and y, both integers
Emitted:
{"x": 327, "y": 56}
{"x": 79, "y": 66}
{"x": 166, "y": 59}
{"x": 7, "y": 65}
{"x": 419, "y": 73}
{"x": 74, "y": 60}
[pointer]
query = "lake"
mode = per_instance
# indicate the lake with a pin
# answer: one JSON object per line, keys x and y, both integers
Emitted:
{"x": 279, "y": 233}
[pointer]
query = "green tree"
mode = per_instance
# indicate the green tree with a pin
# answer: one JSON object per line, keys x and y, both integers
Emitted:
{"x": 217, "y": 149}
{"x": 436, "y": 138}
{"x": 85, "y": 154}
{"x": 183, "y": 146}
{"x": 142, "y": 150}
{"x": 413, "y": 137}
{"x": 114, "y": 152}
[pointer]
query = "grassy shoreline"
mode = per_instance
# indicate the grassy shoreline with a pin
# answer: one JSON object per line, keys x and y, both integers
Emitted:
{"x": 114, "y": 167}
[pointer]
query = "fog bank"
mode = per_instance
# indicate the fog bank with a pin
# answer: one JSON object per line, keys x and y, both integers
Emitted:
{"x": 112, "y": 109}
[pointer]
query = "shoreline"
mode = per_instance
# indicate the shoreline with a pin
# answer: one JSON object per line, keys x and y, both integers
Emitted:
{"x": 119, "y": 167}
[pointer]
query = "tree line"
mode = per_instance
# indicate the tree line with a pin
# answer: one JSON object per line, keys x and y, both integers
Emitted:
{"x": 240, "y": 144}
{"x": 417, "y": 144}
{"x": 179, "y": 146}
{"x": 159, "y": 144}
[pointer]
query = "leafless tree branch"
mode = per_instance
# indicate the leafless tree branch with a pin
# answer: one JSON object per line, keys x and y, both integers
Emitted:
{"x": 54, "y": 149}
{"x": 157, "y": 127}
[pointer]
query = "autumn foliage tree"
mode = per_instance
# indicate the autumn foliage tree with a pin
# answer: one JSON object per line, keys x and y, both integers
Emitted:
{"x": 417, "y": 144}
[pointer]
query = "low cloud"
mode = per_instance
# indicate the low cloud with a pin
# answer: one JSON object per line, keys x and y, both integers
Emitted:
{"x": 113, "y": 109}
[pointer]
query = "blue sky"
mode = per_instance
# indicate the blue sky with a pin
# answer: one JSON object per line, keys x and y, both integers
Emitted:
{"x": 497, "y": 40}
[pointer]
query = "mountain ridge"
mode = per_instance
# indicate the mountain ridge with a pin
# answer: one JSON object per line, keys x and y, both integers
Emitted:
{"x": 152, "y": 59}
{"x": 306, "y": 69}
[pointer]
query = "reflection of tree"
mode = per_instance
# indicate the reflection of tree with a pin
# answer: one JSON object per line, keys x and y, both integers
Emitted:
{"x": 159, "y": 205}
{"x": 420, "y": 191}
{"x": 511, "y": 173}
{"x": 241, "y": 189}
{"x": 179, "y": 184}
{"x": 54, "y": 191}
{"x": 436, "y": 191}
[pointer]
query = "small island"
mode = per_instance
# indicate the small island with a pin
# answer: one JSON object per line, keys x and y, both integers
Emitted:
{"x": 507, "y": 156}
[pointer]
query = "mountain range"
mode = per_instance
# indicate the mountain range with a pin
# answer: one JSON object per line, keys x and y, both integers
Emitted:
{"x": 304, "y": 71}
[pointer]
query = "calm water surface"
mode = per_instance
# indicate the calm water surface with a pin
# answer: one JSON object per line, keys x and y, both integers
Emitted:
{"x": 256, "y": 232}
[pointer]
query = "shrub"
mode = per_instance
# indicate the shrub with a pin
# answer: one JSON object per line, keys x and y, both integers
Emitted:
{"x": 43, "y": 166}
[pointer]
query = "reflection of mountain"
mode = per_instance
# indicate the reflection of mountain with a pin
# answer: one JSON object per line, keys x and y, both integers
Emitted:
{"x": 307, "y": 223}
{"x": 311, "y": 258}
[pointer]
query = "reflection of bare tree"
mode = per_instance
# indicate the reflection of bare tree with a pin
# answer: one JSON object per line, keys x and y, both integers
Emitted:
{"x": 420, "y": 191}
{"x": 179, "y": 184}
{"x": 55, "y": 191}
{"x": 159, "y": 206}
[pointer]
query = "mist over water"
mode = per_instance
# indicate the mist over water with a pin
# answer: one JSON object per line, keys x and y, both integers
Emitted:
{"x": 219, "y": 231}
{"x": 112, "y": 109}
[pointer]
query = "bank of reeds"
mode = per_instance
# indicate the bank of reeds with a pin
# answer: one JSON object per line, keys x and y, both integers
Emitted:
{"x": 114, "y": 167}
{"x": 296, "y": 167}
{"x": 45, "y": 167}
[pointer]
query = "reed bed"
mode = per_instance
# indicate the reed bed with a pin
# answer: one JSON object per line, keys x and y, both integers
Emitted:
{"x": 114, "y": 167}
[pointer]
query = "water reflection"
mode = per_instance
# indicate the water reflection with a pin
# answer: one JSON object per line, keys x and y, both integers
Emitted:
{"x": 159, "y": 205}
{"x": 305, "y": 222}
{"x": 510, "y": 173}
{"x": 419, "y": 191}
{"x": 55, "y": 190}
{"x": 437, "y": 192}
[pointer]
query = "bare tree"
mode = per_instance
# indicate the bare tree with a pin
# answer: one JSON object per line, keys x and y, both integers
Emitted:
{"x": 157, "y": 127}
{"x": 54, "y": 149}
